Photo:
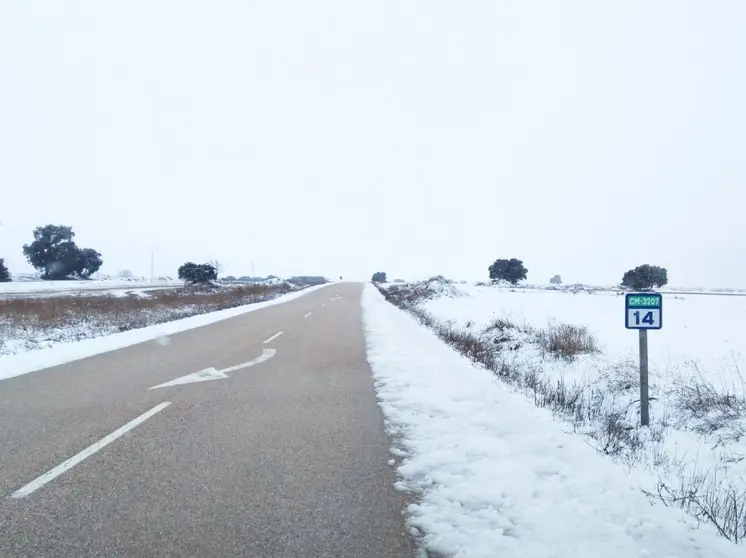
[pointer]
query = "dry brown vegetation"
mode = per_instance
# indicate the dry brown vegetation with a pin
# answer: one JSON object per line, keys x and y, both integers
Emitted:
{"x": 36, "y": 322}
{"x": 567, "y": 341}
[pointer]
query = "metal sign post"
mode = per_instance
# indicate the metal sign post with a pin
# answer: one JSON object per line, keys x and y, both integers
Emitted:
{"x": 644, "y": 385}
{"x": 643, "y": 311}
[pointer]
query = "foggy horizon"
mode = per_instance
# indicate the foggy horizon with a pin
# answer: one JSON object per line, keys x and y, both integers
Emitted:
{"x": 323, "y": 139}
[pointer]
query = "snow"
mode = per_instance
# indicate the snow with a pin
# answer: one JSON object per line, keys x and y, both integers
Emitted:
{"x": 23, "y": 363}
{"x": 497, "y": 476}
{"x": 41, "y": 288}
{"x": 701, "y": 341}
{"x": 701, "y": 328}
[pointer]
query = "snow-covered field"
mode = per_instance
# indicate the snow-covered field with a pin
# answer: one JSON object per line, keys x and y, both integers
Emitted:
{"x": 576, "y": 287}
{"x": 93, "y": 286}
{"x": 707, "y": 330}
{"x": 497, "y": 476}
{"x": 694, "y": 453}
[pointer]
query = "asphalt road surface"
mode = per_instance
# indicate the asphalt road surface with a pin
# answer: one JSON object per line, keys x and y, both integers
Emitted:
{"x": 286, "y": 457}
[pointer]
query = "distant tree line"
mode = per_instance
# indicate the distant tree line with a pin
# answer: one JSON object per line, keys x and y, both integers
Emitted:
{"x": 55, "y": 254}
{"x": 641, "y": 278}
{"x": 308, "y": 280}
{"x": 248, "y": 278}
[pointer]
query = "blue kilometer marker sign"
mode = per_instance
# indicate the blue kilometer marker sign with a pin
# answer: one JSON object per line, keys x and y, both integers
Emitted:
{"x": 643, "y": 311}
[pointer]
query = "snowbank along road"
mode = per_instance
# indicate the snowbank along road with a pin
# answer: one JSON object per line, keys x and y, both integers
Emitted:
{"x": 255, "y": 436}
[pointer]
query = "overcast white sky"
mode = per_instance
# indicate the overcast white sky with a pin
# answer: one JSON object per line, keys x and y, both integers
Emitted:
{"x": 344, "y": 137}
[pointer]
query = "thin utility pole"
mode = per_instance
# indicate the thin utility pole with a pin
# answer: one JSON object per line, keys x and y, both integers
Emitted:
{"x": 153, "y": 250}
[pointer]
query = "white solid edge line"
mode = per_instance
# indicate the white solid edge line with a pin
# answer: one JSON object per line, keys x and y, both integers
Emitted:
{"x": 275, "y": 336}
{"x": 308, "y": 314}
{"x": 90, "y": 450}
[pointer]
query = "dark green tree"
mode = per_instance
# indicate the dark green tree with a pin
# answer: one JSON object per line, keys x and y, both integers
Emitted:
{"x": 197, "y": 274}
{"x": 645, "y": 277}
{"x": 4, "y": 273}
{"x": 88, "y": 262}
{"x": 55, "y": 254}
{"x": 379, "y": 277}
{"x": 51, "y": 244}
{"x": 511, "y": 271}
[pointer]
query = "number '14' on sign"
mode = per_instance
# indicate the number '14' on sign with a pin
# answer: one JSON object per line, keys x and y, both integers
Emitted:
{"x": 647, "y": 318}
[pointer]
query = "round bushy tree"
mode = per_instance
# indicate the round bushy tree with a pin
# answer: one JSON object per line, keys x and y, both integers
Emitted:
{"x": 645, "y": 277}
{"x": 55, "y": 254}
{"x": 197, "y": 274}
{"x": 379, "y": 277}
{"x": 511, "y": 271}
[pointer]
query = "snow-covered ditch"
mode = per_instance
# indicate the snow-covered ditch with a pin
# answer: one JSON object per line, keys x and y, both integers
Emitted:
{"x": 570, "y": 353}
{"x": 495, "y": 476}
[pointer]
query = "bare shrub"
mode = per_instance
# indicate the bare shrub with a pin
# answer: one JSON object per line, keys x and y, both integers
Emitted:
{"x": 401, "y": 295}
{"x": 410, "y": 294}
{"x": 711, "y": 408}
{"x": 616, "y": 435}
{"x": 708, "y": 501}
{"x": 622, "y": 376}
{"x": 507, "y": 334}
{"x": 501, "y": 324}
{"x": 566, "y": 399}
{"x": 566, "y": 341}
{"x": 423, "y": 317}
{"x": 532, "y": 377}
{"x": 471, "y": 346}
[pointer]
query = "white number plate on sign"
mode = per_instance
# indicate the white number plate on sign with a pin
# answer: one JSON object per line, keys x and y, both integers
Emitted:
{"x": 644, "y": 318}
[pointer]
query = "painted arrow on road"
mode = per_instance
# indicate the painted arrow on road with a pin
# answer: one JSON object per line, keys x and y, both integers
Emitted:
{"x": 212, "y": 374}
